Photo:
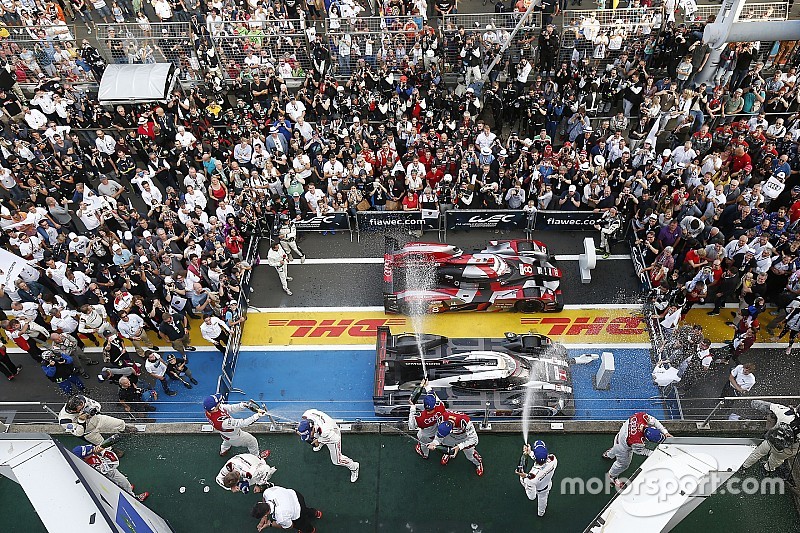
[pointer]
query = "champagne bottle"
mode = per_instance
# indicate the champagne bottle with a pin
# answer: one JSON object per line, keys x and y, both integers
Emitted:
{"x": 110, "y": 441}
{"x": 416, "y": 393}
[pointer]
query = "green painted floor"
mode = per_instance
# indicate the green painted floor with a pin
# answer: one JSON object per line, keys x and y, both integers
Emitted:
{"x": 397, "y": 491}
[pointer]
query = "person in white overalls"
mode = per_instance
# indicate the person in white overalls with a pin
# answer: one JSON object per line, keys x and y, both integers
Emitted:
{"x": 539, "y": 480}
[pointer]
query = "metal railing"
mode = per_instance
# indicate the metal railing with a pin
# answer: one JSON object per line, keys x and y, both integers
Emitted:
{"x": 751, "y": 11}
{"x": 240, "y": 45}
{"x": 285, "y": 413}
{"x": 22, "y": 49}
{"x": 225, "y": 382}
{"x": 169, "y": 42}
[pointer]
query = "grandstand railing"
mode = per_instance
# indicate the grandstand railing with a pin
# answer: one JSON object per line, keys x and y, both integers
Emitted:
{"x": 377, "y": 40}
{"x": 274, "y": 43}
{"x": 22, "y": 47}
{"x": 163, "y": 42}
{"x": 490, "y": 28}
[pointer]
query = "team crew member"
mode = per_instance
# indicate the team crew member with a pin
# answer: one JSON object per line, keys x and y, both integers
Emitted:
{"x": 284, "y": 509}
{"x": 632, "y": 437}
{"x": 539, "y": 480}
{"x": 157, "y": 369}
{"x": 287, "y": 234}
{"x": 229, "y": 428}
{"x": 106, "y": 462}
{"x": 81, "y": 417}
{"x": 319, "y": 429}
{"x": 215, "y": 331}
{"x": 279, "y": 259}
{"x": 246, "y": 472}
{"x": 457, "y": 432}
{"x": 425, "y": 423}
{"x": 176, "y": 333}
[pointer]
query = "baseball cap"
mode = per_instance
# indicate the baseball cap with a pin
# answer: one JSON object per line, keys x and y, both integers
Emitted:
{"x": 72, "y": 235}
{"x": 115, "y": 247}
{"x": 146, "y": 234}
{"x": 796, "y": 188}
{"x": 572, "y": 188}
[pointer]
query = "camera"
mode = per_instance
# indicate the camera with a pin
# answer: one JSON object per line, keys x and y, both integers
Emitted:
{"x": 89, "y": 411}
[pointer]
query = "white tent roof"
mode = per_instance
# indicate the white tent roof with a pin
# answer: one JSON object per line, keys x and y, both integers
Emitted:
{"x": 136, "y": 83}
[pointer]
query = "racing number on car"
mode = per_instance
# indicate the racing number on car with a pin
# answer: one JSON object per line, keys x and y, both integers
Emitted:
{"x": 526, "y": 270}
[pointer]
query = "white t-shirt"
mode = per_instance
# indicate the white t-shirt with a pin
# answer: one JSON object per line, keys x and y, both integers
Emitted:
{"x": 157, "y": 368}
{"x": 745, "y": 381}
{"x": 284, "y": 505}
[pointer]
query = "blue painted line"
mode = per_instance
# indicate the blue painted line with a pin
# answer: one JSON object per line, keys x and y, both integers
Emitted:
{"x": 340, "y": 382}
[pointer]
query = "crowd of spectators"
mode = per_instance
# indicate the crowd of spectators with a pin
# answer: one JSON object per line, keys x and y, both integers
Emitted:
{"x": 140, "y": 212}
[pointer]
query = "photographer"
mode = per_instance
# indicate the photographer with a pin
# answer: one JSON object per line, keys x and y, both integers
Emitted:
{"x": 781, "y": 440}
{"x": 60, "y": 370}
{"x": 81, "y": 417}
{"x": 609, "y": 224}
{"x": 131, "y": 397}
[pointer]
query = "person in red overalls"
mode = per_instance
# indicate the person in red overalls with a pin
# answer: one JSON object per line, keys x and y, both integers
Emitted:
{"x": 632, "y": 437}
{"x": 425, "y": 422}
{"x": 229, "y": 428}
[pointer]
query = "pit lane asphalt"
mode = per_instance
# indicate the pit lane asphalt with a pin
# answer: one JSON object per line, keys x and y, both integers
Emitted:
{"x": 358, "y": 285}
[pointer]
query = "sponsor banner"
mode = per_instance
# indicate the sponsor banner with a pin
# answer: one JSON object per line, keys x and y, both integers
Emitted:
{"x": 328, "y": 327}
{"x": 467, "y": 219}
{"x": 329, "y": 222}
{"x": 390, "y": 220}
{"x": 567, "y": 220}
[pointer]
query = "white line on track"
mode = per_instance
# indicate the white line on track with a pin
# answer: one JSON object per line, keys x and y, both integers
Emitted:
{"x": 379, "y": 260}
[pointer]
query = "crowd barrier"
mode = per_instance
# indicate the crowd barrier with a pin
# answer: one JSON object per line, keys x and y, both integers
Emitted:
{"x": 369, "y": 222}
{"x": 225, "y": 381}
{"x": 636, "y": 25}
{"x": 275, "y": 43}
{"x": 385, "y": 221}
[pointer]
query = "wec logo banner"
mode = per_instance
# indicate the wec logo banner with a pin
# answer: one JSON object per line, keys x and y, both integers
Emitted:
{"x": 505, "y": 220}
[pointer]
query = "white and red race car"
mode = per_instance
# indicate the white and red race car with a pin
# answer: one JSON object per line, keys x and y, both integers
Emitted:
{"x": 506, "y": 275}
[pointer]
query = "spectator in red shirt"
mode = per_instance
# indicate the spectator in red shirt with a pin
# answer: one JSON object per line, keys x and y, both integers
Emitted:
{"x": 740, "y": 160}
{"x": 234, "y": 243}
{"x": 411, "y": 201}
{"x": 794, "y": 209}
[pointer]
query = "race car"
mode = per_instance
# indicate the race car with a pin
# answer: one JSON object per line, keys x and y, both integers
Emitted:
{"x": 424, "y": 278}
{"x": 474, "y": 375}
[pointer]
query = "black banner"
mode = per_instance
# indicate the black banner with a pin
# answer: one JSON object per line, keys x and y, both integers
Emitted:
{"x": 567, "y": 220}
{"x": 390, "y": 220}
{"x": 469, "y": 219}
{"x": 329, "y": 222}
